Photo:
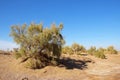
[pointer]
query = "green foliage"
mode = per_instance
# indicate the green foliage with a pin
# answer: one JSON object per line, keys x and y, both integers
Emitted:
{"x": 38, "y": 43}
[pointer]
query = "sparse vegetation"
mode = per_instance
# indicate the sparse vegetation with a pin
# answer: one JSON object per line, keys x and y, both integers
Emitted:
{"x": 100, "y": 53}
{"x": 67, "y": 50}
{"x": 78, "y": 49}
{"x": 73, "y": 49}
{"x": 97, "y": 52}
{"x": 91, "y": 51}
{"x": 39, "y": 46}
{"x": 111, "y": 50}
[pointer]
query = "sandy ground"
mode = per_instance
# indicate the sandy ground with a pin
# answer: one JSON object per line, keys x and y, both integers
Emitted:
{"x": 74, "y": 68}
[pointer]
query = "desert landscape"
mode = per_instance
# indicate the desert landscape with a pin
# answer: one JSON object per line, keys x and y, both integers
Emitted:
{"x": 59, "y": 40}
{"x": 72, "y": 67}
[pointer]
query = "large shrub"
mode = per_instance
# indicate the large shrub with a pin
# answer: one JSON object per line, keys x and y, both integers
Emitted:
{"x": 39, "y": 46}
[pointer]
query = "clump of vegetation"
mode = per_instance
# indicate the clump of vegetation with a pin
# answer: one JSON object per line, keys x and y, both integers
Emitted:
{"x": 74, "y": 49}
{"x": 97, "y": 52}
{"x": 92, "y": 50}
{"x": 67, "y": 50}
{"x": 111, "y": 50}
{"x": 77, "y": 49}
{"x": 100, "y": 53}
{"x": 39, "y": 46}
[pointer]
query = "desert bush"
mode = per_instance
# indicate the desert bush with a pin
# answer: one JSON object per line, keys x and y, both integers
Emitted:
{"x": 38, "y": 46}
{"x": 82, "y": 48}
{"x": 92, "y": 50}
{"x": 73, "y": 49}
{"x": 67, "y": 50}
{"x": 100, "y": 53}
{"x": 77, "y": 49}
{"x": 111, "y": 50}
{"x": 102, "y": 49}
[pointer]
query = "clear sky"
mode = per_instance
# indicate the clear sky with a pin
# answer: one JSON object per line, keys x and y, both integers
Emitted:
{"x": 87, "y": 22}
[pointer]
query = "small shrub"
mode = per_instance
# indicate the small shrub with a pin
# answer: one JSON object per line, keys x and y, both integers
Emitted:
{"x": 66, "y": 50}
{"x": 100, "y": 54}
{"x": 69, "y": 51}
{"x": 92, "y": 50}
{"x": 77, "y": 49}
{"x": 74, "y": 49}
{"x": 111, "y": 50}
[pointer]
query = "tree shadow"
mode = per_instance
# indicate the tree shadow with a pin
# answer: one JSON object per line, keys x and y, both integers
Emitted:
{"x": 69, "y": 63}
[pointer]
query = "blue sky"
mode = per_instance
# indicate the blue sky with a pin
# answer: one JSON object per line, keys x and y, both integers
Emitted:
{"x": 87, "y": 22}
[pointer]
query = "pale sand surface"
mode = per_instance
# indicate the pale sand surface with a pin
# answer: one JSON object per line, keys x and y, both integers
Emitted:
{"x": 98, "y": 69}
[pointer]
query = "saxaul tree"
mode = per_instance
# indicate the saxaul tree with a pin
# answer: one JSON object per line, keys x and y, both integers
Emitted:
{"x": 39, "y": 46}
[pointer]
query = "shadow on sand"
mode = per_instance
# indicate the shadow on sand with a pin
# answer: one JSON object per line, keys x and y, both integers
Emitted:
{"x": 69, "y": 63}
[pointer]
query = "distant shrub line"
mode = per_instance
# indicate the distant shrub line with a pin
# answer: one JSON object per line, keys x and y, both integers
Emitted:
{"x": 79, "y": 49}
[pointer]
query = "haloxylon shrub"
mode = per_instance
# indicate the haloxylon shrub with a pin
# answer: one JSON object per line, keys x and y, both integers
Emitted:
{"x": 39, "y": 46}
{"x": 73, "y": 49}
{"x": 97, "y": 52}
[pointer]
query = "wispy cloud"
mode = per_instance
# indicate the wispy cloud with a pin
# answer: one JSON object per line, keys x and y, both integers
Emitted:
{"x": 4, "y": 45}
